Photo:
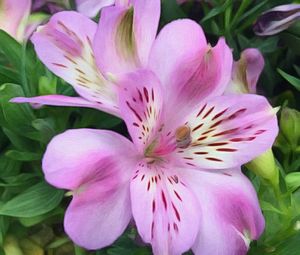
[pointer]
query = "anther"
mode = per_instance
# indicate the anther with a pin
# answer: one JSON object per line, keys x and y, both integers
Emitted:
{"x": 183, "y": 136}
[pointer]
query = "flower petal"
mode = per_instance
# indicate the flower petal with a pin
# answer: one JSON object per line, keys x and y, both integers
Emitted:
{"x": 96, "y": 165}
{"x": 166, "y": 212}
{"x": 59, "y": 100}
{"x": 230, "y": 212}
{"x": 65, "y": 48}
{"x": 246, "y": 72}
{"x": 189, "y": 70}
{"x": 125, "y": 35}
{"x": 114, "y": 43}
{"x": 229, "y": 131}
{"x": 146, "y": 19}
{"x": 141, "y": 106}
{"x": 74, "y": 157}
{"x": 13, "y": 17}
{"x": 100, "y": 211}
{"x": 91, "y": 8}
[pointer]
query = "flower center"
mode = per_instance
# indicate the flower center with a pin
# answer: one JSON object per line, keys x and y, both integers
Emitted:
{"x": 163, "y": 145}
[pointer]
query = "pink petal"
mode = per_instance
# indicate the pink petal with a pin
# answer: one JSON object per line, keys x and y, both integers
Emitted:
{"x": 96, "y": 165}
{"x": 189, "y": 69}
{"x": 231, "y": 216}
{"x": 100, "y": 211}
{"x": 141, "y": 106}
{"x": 229, "y": 131}
{"x": 60, "y": 100}
{"x": 74, "y": 157}
{"x": 64, "y": 46}
{"x": 114, "y": 45}
{"x": 125, "y": 35}
{"x": 146, "y": 19}
{"x": 91, "y": 8}
{"x": 166, "y": 212}
{"x": 246, "y": 72}
{"x": 13, "y": 17}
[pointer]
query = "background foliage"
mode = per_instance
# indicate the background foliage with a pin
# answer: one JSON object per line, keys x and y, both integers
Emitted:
{"x": 31, "y": 211}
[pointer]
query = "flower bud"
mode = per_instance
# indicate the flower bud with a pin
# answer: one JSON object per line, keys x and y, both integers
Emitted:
{"x": 265, "y": 167}
{"x": 290, "y": 126}
{"x": 277, "y": 19}
{"x": 245, "y": 72}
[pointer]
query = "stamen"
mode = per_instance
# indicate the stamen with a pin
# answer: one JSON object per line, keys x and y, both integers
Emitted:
{"x": 183, "y": 136}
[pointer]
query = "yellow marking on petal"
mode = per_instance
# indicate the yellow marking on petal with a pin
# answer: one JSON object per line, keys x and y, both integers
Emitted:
{"x": 111, "y": 77}
{"x": 208, "y": 53}
{"x": 125, "y": 40}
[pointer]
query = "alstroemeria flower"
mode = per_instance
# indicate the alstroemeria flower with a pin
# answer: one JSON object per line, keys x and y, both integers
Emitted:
{"x": 121, "y": 43}
{"x": 179, "y": 179}
{"x": 245, "y": 72}
{"x": 277, "y": 19}
{"x": 13, "y": 17}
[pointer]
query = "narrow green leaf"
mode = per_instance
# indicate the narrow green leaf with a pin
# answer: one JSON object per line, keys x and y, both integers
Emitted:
{"x": 291, "y": 79}
{"x": 216, "y": 11}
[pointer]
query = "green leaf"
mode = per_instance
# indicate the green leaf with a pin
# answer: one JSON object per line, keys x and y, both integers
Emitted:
{"x": 11, "y": 49}
{"x": 20, "y": 142}
{"x": 266, "y": 206}
{"x": 216, "y": 11}
{"x": 38, "y": 199}
{"x": 171, "y": 11}
{"x": 23, "y": 155}
{"x": 45, "y": 128}
{"x": 17, "y": 180}
{"x": 4, "y": 223}
{"x": 16, "y": 117}
{"x": 57, "y": 243}
{"x": 31, "y": 221}
{"x": 291, "y": 79}
{"x": 289, "y": 246}
{"x": 8, "y": 167}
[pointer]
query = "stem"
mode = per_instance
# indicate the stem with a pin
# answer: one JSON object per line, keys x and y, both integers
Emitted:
{"x": 23, "y": 70}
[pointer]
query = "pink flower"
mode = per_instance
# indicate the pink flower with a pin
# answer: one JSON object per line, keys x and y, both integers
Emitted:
{"x": 245, "y": 72}
{"x": 13, "y": 17}
{"x": 179, "y": 178}
{"x": 89, "y": 57}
